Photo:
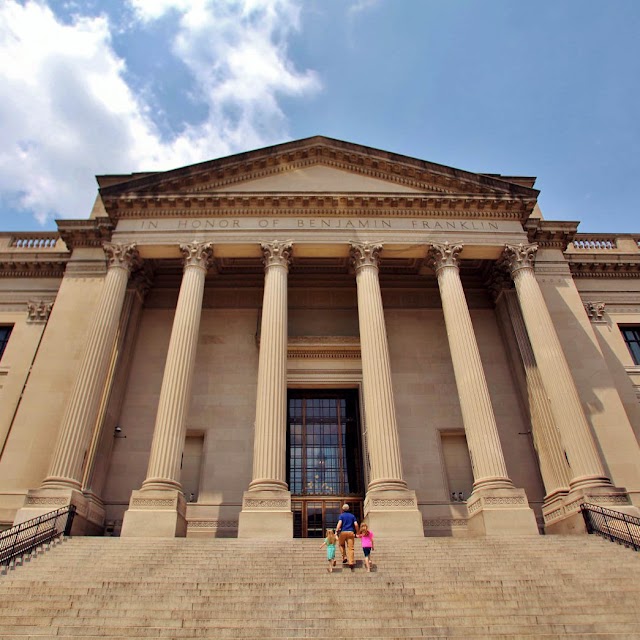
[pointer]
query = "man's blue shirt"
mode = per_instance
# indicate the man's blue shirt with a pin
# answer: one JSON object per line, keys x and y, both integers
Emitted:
{"x": 348, "y": 520}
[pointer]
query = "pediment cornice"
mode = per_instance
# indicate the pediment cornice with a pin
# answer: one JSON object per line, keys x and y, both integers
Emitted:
{"x": 208, "y": 180}
{"x": 299, "y": 205}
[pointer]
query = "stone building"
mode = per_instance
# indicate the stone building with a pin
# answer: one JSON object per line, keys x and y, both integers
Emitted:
{"x": 237, "y": 347}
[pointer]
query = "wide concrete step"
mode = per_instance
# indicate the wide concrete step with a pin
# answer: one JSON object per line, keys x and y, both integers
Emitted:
{"x": 440, "y": 588}
{"x": 240, "y": 631}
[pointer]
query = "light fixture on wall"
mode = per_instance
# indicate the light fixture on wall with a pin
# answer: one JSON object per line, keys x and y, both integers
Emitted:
{"x": 117, "y": 432}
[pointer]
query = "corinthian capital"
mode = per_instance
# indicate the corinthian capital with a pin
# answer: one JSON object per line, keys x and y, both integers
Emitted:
{"x": 122, "y": 255}
{"x": 520, "y": 256}
{"x": 364, "y": 254}
{"x": 595, "y": 311}
{"x": 276, "y": 253}
{"x": 444, "y": 255}
{"x": 39, "y": 311}
{"x": 197, "y": 254}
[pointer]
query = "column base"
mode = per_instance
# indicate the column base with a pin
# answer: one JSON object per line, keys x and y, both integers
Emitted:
{"x": 495, "y": 512}
{"x": 155, "y": 514}
{"x": 562, "y": 514}
{"x": 393, "y": 513}
{"x": 89, "y": 518}
{"x": 266, "y": 514}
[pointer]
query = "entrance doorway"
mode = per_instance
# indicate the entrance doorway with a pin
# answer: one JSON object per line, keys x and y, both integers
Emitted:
{"x": 324, "y": 465}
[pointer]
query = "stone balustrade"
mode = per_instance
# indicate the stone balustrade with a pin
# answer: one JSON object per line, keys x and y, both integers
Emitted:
{"x": 604, "y": 242}
{"x": 31, "y": 241}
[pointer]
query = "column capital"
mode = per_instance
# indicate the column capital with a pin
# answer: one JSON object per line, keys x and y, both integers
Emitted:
{"x": 39, "y": 311}
{"x": 365, "y": 254}
{"x": 519, "y": 256}
{"x": 276, "y": 253}
{"x": 197, "y": 254}
{"x": 123, "y": 256}
{"x": 595, "y": 311}
{"x": 444, "y": 255}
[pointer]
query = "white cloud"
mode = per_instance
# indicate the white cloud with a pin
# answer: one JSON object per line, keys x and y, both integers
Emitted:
{"x": 67, "y": 112}
{"x": 237, "y": 53}
{"x": 359, "y": 6}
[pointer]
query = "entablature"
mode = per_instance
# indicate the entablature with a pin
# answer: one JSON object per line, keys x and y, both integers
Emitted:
{"x": 603, "y": 255}
{"x": 497, "y": 207}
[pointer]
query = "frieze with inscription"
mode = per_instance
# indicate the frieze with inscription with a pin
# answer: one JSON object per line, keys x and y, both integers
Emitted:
{"x": 317, "y": 223}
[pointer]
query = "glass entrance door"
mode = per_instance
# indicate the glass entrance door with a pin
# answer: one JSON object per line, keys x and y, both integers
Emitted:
{"x": 324, "y": 465}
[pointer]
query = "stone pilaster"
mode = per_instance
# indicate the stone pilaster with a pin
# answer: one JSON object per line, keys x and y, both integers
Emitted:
{"x": 390, "y": 507}
{"x": 588, "y": 477}
{"x": 64, "y": 478}
{"x": 158, "y": 508}
{"x": 266, "y": 506}
{"x": 495, "y": 505}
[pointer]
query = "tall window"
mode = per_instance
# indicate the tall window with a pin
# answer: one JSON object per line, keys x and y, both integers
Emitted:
{"x": 631, "y": 336}
{"x": 5, "y": 332}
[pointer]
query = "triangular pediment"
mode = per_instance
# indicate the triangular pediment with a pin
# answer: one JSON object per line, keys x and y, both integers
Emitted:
{"x": 314, "y": 165}
{"x": 318, "y": 179}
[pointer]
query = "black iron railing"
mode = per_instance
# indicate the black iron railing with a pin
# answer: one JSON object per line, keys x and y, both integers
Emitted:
{"x": 28, "y": 535}
{"x": 614, "y": 525}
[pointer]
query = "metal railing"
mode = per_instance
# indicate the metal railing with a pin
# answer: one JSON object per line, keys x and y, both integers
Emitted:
{"x": 28, "y": 535}
{"x": 614, "y": 525}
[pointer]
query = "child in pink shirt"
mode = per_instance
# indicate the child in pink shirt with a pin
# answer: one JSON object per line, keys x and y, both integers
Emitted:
{"x": 366, "y": 538}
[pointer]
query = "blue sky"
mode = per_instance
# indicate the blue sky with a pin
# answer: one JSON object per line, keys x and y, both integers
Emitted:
{"x": 548, "y": 88}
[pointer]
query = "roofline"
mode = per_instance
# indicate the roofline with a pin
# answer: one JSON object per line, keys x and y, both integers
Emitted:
{"x": 151, "y": 178}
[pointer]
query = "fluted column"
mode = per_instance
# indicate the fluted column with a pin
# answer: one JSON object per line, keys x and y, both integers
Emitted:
{"x": 487, "y": 460}
{"x": 553, "y": 464}
{"x": 379, "y": 406}
{"x": 65, "y": 471}
{"x": 175, "y": 394}
{"x": 269, "y": 452}
{"x": 266, "y": 505}
{"x": 586, "y": 467}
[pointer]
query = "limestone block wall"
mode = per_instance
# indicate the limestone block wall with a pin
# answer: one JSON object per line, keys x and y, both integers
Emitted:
{"x": 427, "y": 402}
{"x": 621, "y": 298}
{"x": 615, "y": 438}
{"x": 222, "y": 410}
{"x": 15, "y": 296}
{"x": 32, "y": 438}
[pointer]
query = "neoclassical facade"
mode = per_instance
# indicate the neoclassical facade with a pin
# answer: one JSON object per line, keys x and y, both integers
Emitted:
{"x": 236, "y": 348}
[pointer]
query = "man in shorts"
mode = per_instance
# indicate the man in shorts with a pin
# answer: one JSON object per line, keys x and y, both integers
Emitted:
{"x": 346, "y": 531}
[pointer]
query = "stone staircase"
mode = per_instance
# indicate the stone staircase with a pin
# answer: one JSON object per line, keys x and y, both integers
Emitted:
{"x": 542, "y": 587}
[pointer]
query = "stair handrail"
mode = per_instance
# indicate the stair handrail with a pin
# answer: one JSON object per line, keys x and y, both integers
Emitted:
{"x": 28, "y": 535}
{"x": 614, "y": 525}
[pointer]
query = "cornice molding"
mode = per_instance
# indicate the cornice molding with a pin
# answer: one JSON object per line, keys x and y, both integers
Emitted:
{"x": 89, "y": 233}
{"x": 608, "y": 269}
{"x": 611, "y": 298}
{"x": 319, "y": 347}
{"x": 311, "y": 204}
{"x": 318, "y": 150}
{"x": 53, "y": 266}
{"x": 550, "y": 234}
